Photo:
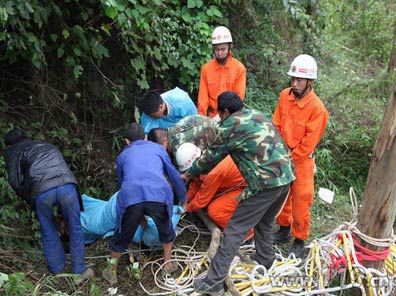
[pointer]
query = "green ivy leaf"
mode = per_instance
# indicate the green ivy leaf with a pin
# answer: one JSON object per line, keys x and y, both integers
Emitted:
{"x": 60, "y": 52}
{"x": 29, "y": 8}
{"x": 102, "y": 51}
{"x": 157, "y": 53}
{"x": 36, "y": 61}
{"x": 10, "y": 8}
{"x": 3, "y": 15}
{"x": 84, "y": 16}
{"x": 111, "y": 12}
{"x": 213, "y": 11}
{"x": 138, "y": 63}
{"x": 106, "y": 28}
{"x": 37, "y": 45}
{"x": 31, "y": 37}
{"x": 77, "y": 51}
{"x": 73, "y": 119}
{"x": 142, "y": 9}
{"x": 77, "y": 71}
{"x": 142, "y": 83}
{"x": 70, "y": 61}
{"x": 186, "y": 17}
{"x": 191, "y": 4}
{"x": 65, "y": 33}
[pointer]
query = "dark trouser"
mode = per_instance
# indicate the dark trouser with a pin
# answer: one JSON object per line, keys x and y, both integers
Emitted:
{"x": 259, "y": 212}
{"x": 65, "y": 196}
{"x": 131, "y": 219}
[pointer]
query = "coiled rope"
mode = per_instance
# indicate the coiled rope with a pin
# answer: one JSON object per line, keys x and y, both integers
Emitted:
{"x": 333, "y": 264}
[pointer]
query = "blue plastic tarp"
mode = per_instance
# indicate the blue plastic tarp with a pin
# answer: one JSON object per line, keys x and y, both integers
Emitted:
{"x": 99, "y": 220}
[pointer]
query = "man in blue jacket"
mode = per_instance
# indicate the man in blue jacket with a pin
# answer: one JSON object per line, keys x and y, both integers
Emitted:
{"x": 143, "y": 170}
{"x": 39, "y": 174}
{"x": 164, "y": 110}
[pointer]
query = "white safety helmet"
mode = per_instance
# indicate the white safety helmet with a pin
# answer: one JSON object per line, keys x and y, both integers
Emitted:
{"x": 221, "y": 35}
{"x": 303, "y": 66}
{"x": 186, "y": 154}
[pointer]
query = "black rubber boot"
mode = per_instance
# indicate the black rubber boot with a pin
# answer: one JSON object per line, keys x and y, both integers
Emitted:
{"x": 297, "y": 248}
{"x": 282, "y": 235}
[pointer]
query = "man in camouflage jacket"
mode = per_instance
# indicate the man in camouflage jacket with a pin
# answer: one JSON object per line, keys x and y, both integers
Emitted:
{"x": 264, "y": 161}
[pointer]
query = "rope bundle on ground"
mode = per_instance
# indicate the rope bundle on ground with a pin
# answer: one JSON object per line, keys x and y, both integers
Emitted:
{"x": 333, "y": 264}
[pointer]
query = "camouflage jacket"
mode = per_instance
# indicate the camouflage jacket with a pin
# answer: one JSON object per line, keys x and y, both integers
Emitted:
{"x": 255, "y": 146}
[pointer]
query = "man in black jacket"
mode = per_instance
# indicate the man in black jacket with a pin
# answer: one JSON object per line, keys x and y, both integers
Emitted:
{"x": 39, "y": 174}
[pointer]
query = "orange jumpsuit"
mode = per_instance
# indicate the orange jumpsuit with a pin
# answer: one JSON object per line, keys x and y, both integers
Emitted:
{"x": 301, "y": 124}
{"x": 217, "y": 191}
{"x": 215, "y": 79}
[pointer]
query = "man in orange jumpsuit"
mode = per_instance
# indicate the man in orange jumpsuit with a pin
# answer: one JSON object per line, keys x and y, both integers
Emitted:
{"x": 220, "y": 74}
{"x": 301, "y": 120}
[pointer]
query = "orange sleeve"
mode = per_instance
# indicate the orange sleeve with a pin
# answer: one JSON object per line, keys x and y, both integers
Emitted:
{"x": 203, "y": 95}
{"x": 315, "y": 130}
{"x": 240, "y": 82}
{"x": 208, "y": 189}
{"x": 193, "y": 188}
{"x": 276, "y": 117}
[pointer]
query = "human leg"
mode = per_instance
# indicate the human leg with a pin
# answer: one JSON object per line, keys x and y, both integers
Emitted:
{"x": 247, "y": 215}
{"x": 110, "y": 274}
{"x": 285, "y": 217}
{"x": 215, "y": 232}
{"x": 244, "y": 218}
{"x": 122, "y": 237}
{"x": 301, "y": 218}
{"x": 52, "y": 246}
{"x": 285, "y": 220}
{"x": 263, "y": 230}
{"x": 222, "y": 208}
{"x": 162, "y": 219}
{"x": 67, "y": 197}
{"x": 303, "y": 192}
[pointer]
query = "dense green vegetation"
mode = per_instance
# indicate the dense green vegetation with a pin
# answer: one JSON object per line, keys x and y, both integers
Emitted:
{"x": 72, "y": 72}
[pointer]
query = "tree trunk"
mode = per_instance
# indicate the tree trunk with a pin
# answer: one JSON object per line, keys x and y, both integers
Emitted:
{"x": 392, "y": 57}
{"x": 378, "y": 211}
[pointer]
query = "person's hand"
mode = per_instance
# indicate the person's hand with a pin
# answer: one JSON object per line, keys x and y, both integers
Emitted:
{"x": 216, "y": 119}
{"x": 186, "y": 177}
{"x": 182, "y": 208}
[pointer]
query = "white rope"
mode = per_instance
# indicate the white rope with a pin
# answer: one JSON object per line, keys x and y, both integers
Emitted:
{"x": 288, "y": 276}
{"x": 188, "y": 260}
{"x": 354, "y": 203}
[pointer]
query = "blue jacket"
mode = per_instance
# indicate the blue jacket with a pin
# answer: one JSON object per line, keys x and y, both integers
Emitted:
{"x": 143, "y": 171}
{"x": 179, "y": 105}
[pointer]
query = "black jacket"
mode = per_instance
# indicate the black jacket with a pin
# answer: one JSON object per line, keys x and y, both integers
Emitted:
{"x": 34, "y": 167}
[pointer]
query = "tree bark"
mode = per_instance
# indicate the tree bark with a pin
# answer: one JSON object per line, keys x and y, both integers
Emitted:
{"x": 392, "y": 56}
{"x": 378, "y": 211}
